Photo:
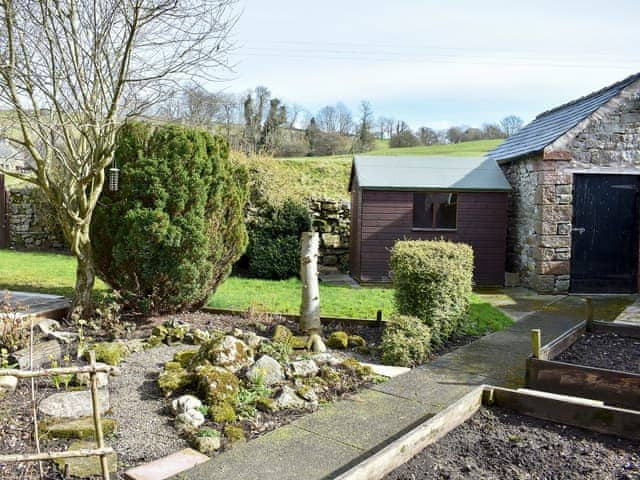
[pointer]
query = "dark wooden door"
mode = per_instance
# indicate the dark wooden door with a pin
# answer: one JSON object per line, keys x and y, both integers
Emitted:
{"x": 4, "y": 215}
{"x": 604, "y": 252}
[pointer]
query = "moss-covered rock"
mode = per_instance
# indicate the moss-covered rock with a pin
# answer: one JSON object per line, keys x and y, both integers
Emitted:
{"x": 338, "y": 340}
{"x": 228, "y": 352}
{"x": 330, "y": 375}
{"x": 222, "y": 412}
{"x": 85, "y": 467}
{"x": 299, "y": 342}
{"x": 356, "y": 341}
{"x": 110, "y": 353}
{"x": 282, "y": 334}
{"x": 217, "y": 385}
{"x": 354, "y": 367}
{"x": 234, "y": 434}
{"x": 266, "y": 404}
{"x": 81, "y": 429}
{"x": 174, "y": 378}
{"x": 184, "y": 358}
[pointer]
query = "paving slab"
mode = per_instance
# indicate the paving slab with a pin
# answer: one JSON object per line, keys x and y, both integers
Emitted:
{"x": 288, "y": 453}
{"x": 168, "y": 466}
{"x": 39, "y": 303}
{"x": 631, "y": 314}
{"x": 386, "y": 370}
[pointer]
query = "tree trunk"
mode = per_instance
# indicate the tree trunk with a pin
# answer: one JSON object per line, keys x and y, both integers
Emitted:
{"x": 85, "y": 271}
{"x": 310, "y": 308}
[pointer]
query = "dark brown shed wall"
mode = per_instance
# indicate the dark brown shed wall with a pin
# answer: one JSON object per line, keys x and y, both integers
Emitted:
{"x": 386, "y": 216}
{"x": 354, "y": 243}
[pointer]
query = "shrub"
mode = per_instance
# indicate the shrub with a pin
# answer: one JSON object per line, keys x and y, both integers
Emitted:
{"x": 432, "y": 281}
{"x": 274, "y": 240}
{"x": 406, "y": 342}
{"x": 169, "y": 237}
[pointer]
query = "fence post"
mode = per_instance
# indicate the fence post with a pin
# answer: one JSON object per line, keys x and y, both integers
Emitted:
{"x": 589, "y": 313}
{"x": 536, "y": 342}
{"x": 95, "y": 401}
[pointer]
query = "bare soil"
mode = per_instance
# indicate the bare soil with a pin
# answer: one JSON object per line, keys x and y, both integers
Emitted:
{"x": 604, "y": 350}
{"x": 500, "y": 444}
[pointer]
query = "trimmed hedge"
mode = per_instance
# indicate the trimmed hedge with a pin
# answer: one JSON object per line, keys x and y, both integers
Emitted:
{"x": 274, "y": 240}
{"x": 406, "y": 342}
{"x": 172, "y": 232}
{"x": 433, "y": 281}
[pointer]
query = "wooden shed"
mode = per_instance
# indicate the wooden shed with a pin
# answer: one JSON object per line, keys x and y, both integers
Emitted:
{"x": 426, "y": 198}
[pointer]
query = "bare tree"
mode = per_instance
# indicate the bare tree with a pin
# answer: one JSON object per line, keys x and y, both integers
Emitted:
{"x": 427, "y": 136}
{"x": 327, "y": 119}
{"x": 72, "y": 71}
{"x": 345, "y": 119}
{"x": 511, "y": 124}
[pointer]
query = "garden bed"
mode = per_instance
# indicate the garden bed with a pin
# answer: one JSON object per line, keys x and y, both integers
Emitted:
{"x": 498, "y": 443}
{"x": 604, "y": 350}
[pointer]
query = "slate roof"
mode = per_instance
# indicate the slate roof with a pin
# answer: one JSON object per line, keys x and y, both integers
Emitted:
{"x": 428, "y": 173}
{"x": 552, "y": 124}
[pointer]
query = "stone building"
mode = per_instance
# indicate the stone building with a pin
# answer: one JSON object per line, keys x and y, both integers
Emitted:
{"x": 573, "y": 209}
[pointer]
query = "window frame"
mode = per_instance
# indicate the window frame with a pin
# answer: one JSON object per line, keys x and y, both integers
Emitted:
{"x": 432, "y": 229}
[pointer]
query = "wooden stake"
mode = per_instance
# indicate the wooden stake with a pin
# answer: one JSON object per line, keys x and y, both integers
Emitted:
{"x": 36, "y": 434}
{"x": 95, "y": 401}
{"x": 379, "y": 317}
{"x": 588, "y": 302}
{"x": 536, "y": 343}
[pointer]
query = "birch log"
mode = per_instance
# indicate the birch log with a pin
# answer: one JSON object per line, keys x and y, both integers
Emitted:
{"x": 310, "y": 307}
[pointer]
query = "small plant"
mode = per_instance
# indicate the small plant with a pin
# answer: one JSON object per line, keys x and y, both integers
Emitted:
{"x": 109, "y": 318}
{"x": 204, "y": 410}
{"x": 278, "y": 350}
{"x": 208, "y": 432}
{"x": 4, "y": 359}
{"x": 13, "y": 334}
{"x": 83, "y": 341}
{"x": 248, "y": 396}
{"x": 65, "y": 379}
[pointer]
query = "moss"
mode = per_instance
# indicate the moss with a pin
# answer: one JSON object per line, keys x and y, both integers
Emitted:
{"x": 330, "y": 375}
{"x": 81, "y": 429}
{"x": 299, "y": 342}
{"x": 160, "y": 331}
{"x": 174, "y": 378}
{"x": 357, "y": 341}
{"x": 339, "y": 340}
{"x": 266, "y": 404}
{"x": 234, "y": 434}
{"x": 152, "y": 341}
{"x": 217, "y": 385}
{"x": 222, "y": 412}
{"x": 282, "y": 334}
{"x": 184, "y": 358}
{"x": 85, "y": 467}
{"x": 110, "y": 353}
{"x": 363, "y": 350}
{"x": 356, "y": 368}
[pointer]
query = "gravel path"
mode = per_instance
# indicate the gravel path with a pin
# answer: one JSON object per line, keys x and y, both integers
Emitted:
{"x": 604, "y": 350}
{"x": 144, "y": 432}
{"x": 499, "y": 444}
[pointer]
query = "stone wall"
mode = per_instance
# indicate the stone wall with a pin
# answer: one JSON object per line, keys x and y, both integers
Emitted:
{"x": 541, "y": 204}
{"x": 332, "y": 219}
{"x": 32, "y": 225}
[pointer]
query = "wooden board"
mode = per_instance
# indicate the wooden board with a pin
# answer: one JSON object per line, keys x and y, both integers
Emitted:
{"x": 564, "y": 341}
{"x": 611, "y": 386}
{"x": 623, "y": 329}
{"x": 409, "y": 445}
{"x": 608, "y": 420}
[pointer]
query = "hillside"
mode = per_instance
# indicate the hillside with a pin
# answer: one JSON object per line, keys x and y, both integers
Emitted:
{"x": 302, "y": 177}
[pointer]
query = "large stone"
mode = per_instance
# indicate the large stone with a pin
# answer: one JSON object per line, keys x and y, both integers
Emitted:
{"x": 72, "y": 404}
{"x": 304, "y": 368}
{"x": 231, "y": 353}
{"x": 287, "y": 398}
{"x": 103, "y": 378}
{"x": 266, "y": 370}
{"x": 185, "y": 403}
{"x": 327, "y": 359}
{"x": 81, "y": 429}
{"x": 207, "y": 445}
{"x": 8, "y": 384}
{"x": 84, "y": 467}
{"x": 191, "y": 419}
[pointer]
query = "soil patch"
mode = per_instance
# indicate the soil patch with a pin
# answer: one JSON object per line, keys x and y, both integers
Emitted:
{"x": 604, "y": 350}
{"x": 500, "y": 444}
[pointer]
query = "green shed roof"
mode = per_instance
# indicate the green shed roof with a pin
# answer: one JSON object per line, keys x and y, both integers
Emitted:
{"x": 428, "y": 173}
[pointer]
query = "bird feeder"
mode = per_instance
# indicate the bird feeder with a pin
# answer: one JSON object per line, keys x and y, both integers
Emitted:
{"x": 113, "y": 179}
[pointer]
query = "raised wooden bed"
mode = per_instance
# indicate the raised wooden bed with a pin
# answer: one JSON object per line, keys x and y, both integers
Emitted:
{"x": 566, "y": 410}
{"x": 614, "y": 387}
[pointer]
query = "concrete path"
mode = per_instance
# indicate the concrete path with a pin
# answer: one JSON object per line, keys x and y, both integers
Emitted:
{"x": 331, "y": 440}
{"x": 631, "y": 314}
{"x": 50, "y": 306}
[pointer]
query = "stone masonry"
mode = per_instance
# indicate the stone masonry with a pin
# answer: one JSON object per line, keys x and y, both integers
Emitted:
{"x": 32, "y": 225}
{"x": 332, "y": 218}
{"x": 541, "y": 204}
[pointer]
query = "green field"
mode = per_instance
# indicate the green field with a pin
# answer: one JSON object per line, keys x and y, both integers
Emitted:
{"x": 303, "y": 177}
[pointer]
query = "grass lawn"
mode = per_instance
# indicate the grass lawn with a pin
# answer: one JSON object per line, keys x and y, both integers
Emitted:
{"x": 55, "y": 273}
{"x": 40, "y": 272}
{"x": 284, "y": 297}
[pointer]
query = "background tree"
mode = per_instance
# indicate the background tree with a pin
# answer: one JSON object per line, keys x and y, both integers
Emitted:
{"x": 327, "y": 119}
{"x": 511, "y": 124}
{"x": 73, "y": 71}
{"x": 253, "y": 112}
{"x": 492, "y": 130}
{"x": 403, "y": 136}
{"x": 345, "y": 119}
{"x": 455, "y": 134}
{"x": 271, "y": 135}
{"x": 427, "y": 136}
{"x": 365, "y": 140}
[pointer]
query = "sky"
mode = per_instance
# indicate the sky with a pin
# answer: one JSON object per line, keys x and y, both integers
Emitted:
{"x": 434, "y": 63}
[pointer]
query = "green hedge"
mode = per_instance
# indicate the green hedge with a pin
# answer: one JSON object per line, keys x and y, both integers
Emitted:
{"x": 432, "y": 281}
{"x": 274, "y": 240}
{"x": 406, "y": 342}
{"x": 171, "y": 233}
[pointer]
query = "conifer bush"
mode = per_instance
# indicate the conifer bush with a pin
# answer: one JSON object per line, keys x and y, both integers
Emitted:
{"x": 433, "y": 281}
{"x": 172, "y": 232}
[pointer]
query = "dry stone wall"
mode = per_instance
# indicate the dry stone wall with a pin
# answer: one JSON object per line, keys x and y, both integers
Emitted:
{"x": 332, "y": 219}
{"x": 32, "y": 225}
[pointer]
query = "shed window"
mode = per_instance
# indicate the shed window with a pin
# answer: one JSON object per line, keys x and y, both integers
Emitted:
{"x": 435, "y": 210}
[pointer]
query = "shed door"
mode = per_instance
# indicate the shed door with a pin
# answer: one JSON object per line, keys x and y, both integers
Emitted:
{"x": 604, "y": 256}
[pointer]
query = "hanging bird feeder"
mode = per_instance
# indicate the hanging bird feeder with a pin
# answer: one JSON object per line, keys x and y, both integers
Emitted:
{"x": 113, "y": 179}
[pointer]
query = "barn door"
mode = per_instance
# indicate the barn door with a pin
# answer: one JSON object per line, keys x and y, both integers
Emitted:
{"x": 4, "y": 214}
{"x": 604, "y": 252}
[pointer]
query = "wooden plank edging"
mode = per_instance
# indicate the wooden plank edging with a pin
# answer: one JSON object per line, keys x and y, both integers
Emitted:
{"x": 624, "y": 329}
{"x": 409, "y": 445}
{"x": 564, "y": 341}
